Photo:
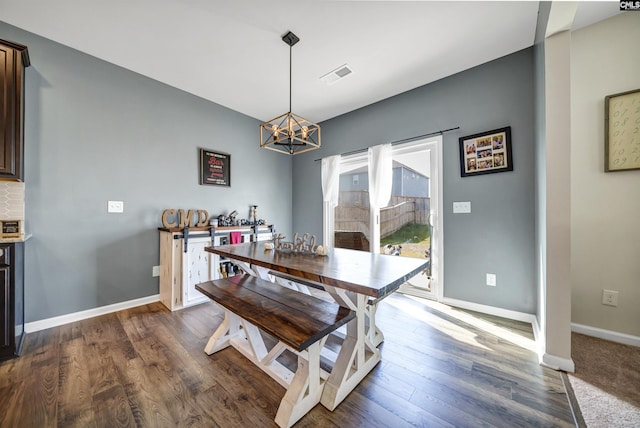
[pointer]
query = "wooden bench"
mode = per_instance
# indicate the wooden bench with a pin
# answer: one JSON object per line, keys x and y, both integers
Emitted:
{"x": 302, "y": 284}
{"x": 298, "y": 321}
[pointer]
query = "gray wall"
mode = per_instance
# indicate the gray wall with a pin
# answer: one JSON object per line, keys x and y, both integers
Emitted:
{"x": 498, "y": 236}
{"x": 96, "y": 132}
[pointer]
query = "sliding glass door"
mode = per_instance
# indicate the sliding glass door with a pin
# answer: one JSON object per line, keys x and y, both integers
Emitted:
{"x": 409, "y": 225}
{"x": 352, "y": 228}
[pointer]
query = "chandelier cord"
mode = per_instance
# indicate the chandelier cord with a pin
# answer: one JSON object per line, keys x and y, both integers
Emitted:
{"x": 290, "y": 74}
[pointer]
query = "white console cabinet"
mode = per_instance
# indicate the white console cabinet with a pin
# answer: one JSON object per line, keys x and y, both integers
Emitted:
{"x": 183, "y": 266}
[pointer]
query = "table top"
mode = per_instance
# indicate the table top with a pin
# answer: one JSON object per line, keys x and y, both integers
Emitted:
{"x": 375, "y": 275}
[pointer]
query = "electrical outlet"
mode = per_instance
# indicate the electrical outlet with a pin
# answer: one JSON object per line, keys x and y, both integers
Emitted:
{"x": 609, "y": 297}
{"x": 155, "y": 271}
{"x": 491, "y": 279}
{"x": 115, "y": 207}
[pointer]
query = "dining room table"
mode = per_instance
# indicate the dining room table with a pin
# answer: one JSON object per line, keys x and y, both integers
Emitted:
{"x": 357, "y": 280}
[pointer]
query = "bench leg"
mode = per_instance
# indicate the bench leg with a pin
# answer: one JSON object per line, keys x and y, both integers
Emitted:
{"x": 305, "y": 390}
{"x": 221, "y": 338}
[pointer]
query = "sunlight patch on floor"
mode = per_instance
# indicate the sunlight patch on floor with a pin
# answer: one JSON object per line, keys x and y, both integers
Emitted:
{"x": 461, "y": 333}
{"x": 450, "y": 329}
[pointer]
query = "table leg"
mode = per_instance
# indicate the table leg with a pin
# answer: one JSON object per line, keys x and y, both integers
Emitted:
{"x": 357, "y": 356}
{"x": 374, "y": 333}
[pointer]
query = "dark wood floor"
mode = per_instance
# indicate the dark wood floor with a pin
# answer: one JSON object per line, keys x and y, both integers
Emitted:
{"x": 146, "y": 367}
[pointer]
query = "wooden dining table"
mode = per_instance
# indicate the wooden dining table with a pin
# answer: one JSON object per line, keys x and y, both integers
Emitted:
{"x": 356, "y": 280}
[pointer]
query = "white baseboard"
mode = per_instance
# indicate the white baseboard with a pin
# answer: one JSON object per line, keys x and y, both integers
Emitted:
{"x": 491, "y": 310}
{"x": 613, "y": 336}
{"x": 538, "y": 336}
{"x": 558, "y": 363}
{"x": 31, "y": 327}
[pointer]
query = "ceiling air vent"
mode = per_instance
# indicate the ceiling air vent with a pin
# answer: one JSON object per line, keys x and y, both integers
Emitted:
{"x": 339, "y": 73}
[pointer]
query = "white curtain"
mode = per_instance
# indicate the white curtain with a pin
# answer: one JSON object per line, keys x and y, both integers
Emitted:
{"x": 330, "y": 193}
{"x": 380, "y": 181}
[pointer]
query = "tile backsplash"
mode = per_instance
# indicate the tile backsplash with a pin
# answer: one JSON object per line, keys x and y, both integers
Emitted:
{"x": 12, "y": 201}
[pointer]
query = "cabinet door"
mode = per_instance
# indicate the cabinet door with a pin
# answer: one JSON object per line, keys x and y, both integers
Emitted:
{"x": 11, "y": 92}
{"x": 197, "y": 268}
{"x": 6, "y": 308}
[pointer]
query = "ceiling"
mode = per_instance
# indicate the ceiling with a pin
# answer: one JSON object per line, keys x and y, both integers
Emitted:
{"x": 230, "y": 52}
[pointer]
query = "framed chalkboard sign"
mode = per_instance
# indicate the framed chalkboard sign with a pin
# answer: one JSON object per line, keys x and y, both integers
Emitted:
{"x": 622, "y": 131}
{"x": 215, "y": 168}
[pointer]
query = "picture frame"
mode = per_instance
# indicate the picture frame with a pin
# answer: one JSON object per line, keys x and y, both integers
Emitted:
{"x": 622, "y": 131}
{"x": 10, "y": 228}
{"x": 215, "y": 168}
{"x": 486, "y": 152}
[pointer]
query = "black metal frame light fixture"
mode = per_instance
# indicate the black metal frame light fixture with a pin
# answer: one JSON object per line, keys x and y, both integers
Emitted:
{"x": 290, "y": 133}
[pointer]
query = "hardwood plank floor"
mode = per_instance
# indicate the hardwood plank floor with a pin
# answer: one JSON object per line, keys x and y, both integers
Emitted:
{"x": 145, "y": 367}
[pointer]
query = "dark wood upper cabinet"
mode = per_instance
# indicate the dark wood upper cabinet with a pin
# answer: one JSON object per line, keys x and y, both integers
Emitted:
{"x": 13, "y": 60}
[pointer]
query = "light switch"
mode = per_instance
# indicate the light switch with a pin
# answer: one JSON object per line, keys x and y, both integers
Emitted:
{"x": 115, "y": 207}
{"x": 461, "y": 207}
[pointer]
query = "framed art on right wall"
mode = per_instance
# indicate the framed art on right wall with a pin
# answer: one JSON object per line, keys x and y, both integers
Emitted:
{"x": 486, "y": 153}
{"x": 622, "y": 131}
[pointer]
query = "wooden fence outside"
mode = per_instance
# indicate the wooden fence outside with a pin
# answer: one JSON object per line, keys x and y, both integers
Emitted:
{"x": 352, "y": 213}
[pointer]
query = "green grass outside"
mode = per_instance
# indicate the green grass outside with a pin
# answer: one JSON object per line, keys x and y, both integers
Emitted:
{"x": 408, "y": 234}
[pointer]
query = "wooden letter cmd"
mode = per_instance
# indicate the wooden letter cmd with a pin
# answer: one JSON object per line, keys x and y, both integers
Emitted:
{"x": 185, "y": 218}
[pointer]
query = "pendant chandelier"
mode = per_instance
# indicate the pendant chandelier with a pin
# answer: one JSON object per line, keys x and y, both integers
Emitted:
{"x": 290, "y": 133}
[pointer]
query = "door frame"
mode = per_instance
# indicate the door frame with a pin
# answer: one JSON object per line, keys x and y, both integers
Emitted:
{"x": 434, "y": 146}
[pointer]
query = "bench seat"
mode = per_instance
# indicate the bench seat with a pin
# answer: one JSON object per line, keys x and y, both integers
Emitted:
{"x": 294, "y": 318}
{"x": 298, "y": 321}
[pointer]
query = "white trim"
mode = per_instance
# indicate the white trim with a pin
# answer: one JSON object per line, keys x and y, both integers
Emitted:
{"x": 34, "y": 326}
{"x": 492, "y": 310}
{"x": 437, "y": 258}
{"x": 539, "y": 337}
{"x": 558, "y": 363}
{"x": 613, "y": 336}
{"x": 544, "y": 359}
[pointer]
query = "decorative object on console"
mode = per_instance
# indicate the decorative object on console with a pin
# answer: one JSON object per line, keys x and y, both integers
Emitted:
{"x": 228, "y": 220}
{"x": 254, "y": 213}
{"x": 486, "y": 152}
{"x": 290, "y": 133}
{"x": 184, "y": 218}
{"x": 621, "y": 142}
